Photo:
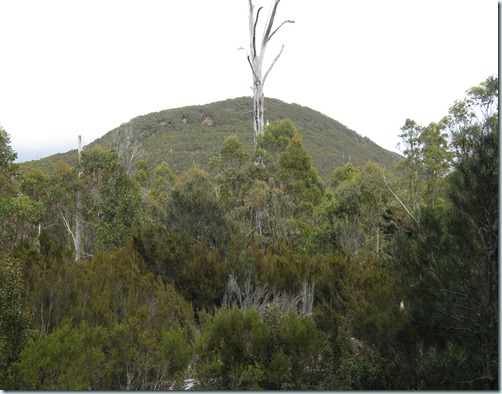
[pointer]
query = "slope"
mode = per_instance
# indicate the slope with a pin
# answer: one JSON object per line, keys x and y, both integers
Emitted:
{"x": 191, "y": 135}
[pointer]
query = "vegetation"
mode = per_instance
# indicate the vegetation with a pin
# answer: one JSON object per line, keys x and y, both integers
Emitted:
{"x": 182, "y": 137}
{"x": 255, "y": 275}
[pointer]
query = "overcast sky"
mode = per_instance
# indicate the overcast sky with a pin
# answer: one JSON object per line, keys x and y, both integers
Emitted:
{"x": 86, "y": 66}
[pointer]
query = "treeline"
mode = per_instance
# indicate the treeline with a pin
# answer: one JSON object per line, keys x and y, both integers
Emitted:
{"x": 254, "y": 274}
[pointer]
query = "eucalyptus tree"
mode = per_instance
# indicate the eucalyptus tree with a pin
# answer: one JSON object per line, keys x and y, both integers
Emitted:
{"x": 427, "y": 161}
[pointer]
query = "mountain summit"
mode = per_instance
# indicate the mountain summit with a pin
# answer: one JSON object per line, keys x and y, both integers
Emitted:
{"x": 193, "y": 134}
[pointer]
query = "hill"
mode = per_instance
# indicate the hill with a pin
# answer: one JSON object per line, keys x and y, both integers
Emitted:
{"x": 191, "y": 135}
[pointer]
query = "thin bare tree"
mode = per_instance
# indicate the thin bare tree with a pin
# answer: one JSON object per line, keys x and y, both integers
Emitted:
{"x": 78, "y": 229}
{"x": 255, "y": 58}
{"x": 127, "y": 147}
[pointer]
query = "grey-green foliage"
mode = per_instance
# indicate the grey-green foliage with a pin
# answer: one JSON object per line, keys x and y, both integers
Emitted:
{"x": 427, "y": 161}
{"x": 178, "y": 136}
{"x": 7, "y": 155}
{"x": 111, "y": 200}
{"x": 19, "y": 213}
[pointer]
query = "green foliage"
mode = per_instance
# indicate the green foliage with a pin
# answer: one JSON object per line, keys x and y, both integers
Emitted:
{"x": 301, "y": 181}
{"x": 105, "y": 291}
{"x": 279, "y": 267}
{"x": 427, "y": 161}
{"x": 355, "y": 216}
{"x": 195, "y": 210}
{"x": 243, "y": 350}
{"x": 111, "y": 200}
{"x": 448, "y": 367}
{"x": 344, "y": 174}
{"x": 179, "y": 137}
{"x": 67, "y": 359}
{"x": 14, "y": 318}
{"x": 20, "y": 215}
{"x": 450, "y": 267}
{"x": 382, "y": 281}
{"x": 142, "y": 175}
{"x": 276, "y": 138}
{"x": 7, "y": 157}
{"x": 232, "y": 153}
{"x": 197, "y": 271}
{"x": 147, "y": 360}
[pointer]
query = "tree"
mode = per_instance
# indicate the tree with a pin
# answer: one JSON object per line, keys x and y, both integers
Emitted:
{"x": 19, "y": 213}
{"x": 127, "y": 147}
{"x": 111, "y": 200}
{"x": 195, "y": 210}
{"x": 427, "y": 161}
{"x": 436, "y": 159}
{"x": 234, "y": 180}
{"x": 255, "y": 59}
{"x": 449, "y": 263}
{"x": 147, "y": 360}
{"x": 7, "y": 156}
{"x": 78, "y": 212}
{"x": 13, "y": 315}
{"x": 70, "y": 358}
{"x": 473, "y": 223}
{"x": 243, "y": 349}
{"x": 357, "y": 211}
{"x": 59, "y": 220}
{"x": 299, "y": 178}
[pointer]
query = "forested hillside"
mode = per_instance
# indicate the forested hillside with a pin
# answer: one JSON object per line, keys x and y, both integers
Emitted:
{"x": 188, "y": 135}
{"x": 219, "y": 267}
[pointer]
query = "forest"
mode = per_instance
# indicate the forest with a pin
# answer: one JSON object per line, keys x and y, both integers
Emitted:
{"x": 249, "y": 274}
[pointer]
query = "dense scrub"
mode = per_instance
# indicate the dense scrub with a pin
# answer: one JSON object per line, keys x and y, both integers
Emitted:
{"x": 246, "y": 276}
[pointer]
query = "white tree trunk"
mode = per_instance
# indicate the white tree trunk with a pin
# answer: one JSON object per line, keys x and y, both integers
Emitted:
{"x": 255, "y": 59}
{"x": 78, "y": 229}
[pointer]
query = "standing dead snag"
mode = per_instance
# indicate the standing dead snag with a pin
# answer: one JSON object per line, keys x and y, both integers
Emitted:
{"x": 255, "y": 59}
{"x": 78, "y": 229}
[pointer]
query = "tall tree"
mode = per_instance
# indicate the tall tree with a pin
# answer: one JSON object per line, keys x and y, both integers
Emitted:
{"x": 255, "y": 59}
{"x": 449, "y": 263}
{"x": 427, "y": 161}
{"x": 78, "y": 228}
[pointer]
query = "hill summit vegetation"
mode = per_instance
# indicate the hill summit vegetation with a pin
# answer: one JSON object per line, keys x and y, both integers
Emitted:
{"x": 118, "y": 272}
{"x": 191, "y": 135}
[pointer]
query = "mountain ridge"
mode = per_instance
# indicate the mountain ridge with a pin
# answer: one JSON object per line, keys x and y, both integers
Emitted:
{"x": 193, "y": 134}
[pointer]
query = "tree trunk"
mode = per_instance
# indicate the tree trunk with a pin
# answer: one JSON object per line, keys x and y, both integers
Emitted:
{"x": 78, "y": 230}
{"x": 255, "y": 59}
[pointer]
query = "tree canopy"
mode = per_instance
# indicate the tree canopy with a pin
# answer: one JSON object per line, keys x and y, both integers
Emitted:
{"x": 248, "y": 276}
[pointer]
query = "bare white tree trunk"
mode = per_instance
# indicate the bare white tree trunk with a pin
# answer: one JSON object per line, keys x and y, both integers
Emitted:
{"x": 255, "y": 59}
{"x": 126, "y": 147}
{"x": 78, "y": 229}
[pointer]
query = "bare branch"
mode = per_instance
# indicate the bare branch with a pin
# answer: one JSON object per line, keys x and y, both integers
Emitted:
{"x": 266, "y": 35}
{"x": 287, "y": 21}
{"x": 67, "y": 227}
{"x": 256, "y": 78}
{"x": 255, "y": 61}
{"x": 272, "y": 65}
{"x": 398, "y": 199}
{"x": 254, "y": 30}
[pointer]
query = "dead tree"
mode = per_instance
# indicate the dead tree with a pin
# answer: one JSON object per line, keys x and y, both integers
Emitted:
{"x": 126, "y": 147}
{"x": 78, "y": 229}
{"x": 255, "y": 58}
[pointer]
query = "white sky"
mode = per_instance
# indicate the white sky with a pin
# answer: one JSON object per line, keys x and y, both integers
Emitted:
{"x": 86, "y": 66}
